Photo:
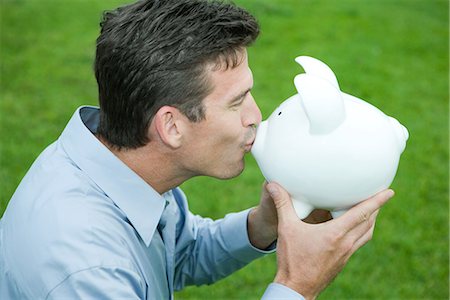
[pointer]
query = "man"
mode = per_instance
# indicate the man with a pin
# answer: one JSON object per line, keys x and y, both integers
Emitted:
{"x": 99, "y": 215}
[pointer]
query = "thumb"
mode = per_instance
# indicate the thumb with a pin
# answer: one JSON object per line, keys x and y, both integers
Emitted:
{"x": 282, "y": 202}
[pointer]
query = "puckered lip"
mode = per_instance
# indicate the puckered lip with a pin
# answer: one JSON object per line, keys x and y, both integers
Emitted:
{"x": 249, "y": 145}
{"x": 258, "y": 140}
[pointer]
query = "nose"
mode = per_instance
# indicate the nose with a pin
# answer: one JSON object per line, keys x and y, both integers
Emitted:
{"x": 251, "y": 115}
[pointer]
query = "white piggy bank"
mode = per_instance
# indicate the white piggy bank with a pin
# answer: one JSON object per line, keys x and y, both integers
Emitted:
{"x": 328, "y": 149}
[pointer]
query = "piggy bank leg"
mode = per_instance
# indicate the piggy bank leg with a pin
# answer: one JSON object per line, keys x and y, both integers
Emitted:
{"x": 302, "y": 209}
{"x": 337, "y": 213}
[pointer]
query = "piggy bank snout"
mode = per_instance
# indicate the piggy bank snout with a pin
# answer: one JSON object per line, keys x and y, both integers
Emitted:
{"x": 258, "y": 144}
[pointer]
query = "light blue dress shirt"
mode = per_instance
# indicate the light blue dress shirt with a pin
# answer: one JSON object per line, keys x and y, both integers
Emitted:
{"x": 82, "y": 225}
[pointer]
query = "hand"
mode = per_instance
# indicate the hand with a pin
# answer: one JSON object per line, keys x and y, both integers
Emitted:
{"x": 310, "y": 256}
{"x": 262, "y": 222}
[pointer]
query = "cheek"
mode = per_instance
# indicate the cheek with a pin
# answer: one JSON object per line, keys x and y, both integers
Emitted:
{"x": 227, "y": 131}
{"x": 234, "y": 134}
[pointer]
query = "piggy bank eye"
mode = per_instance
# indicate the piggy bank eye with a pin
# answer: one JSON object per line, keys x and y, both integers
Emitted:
{"x": 279, "y": 113}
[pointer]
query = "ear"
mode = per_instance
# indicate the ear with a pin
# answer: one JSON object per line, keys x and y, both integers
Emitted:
{"x": 167, "y": 122}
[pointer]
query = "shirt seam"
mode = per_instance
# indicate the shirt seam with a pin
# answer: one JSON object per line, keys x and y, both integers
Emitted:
{"x": 87, "y": 269}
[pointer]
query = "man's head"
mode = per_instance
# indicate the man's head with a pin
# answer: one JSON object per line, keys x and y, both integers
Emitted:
{"x": 154, "y": 53}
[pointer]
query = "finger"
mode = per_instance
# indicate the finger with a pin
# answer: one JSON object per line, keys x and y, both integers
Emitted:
{"x": 265, "y": 193}
{"x": 364, "y": 239}
{"x": 363, "y": 228}
{"x": 282, "y": 202}
{"x": 361, "y": 212}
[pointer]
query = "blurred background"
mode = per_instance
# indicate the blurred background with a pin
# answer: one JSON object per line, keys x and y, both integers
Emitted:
{"x": 393, "y": 54}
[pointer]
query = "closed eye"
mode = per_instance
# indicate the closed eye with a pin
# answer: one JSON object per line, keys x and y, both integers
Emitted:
{"x": 237, "y": 104}
{"x": 238, "y": 100}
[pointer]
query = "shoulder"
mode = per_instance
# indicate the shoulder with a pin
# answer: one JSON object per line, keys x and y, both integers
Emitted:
{"x": 59, "y": 222}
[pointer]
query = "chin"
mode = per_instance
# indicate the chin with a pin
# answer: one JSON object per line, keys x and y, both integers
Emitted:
{"x": 231, "y": 172}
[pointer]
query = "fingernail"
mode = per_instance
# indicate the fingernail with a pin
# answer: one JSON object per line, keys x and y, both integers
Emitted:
{"x": 391, "y": 193}
{"x": 273, "y": 191}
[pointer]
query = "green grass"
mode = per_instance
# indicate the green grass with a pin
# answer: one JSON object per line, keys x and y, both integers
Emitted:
{"x": 393, "y": 54}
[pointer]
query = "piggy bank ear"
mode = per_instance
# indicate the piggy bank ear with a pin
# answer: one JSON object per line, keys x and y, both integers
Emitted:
{"x": 322, "y": 103}
{"x": 320, "y": 94}
{"x": 317, "y": 68}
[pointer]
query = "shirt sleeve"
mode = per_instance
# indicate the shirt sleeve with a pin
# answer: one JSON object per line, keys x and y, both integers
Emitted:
{"x": 235, "y": 234}
{"x": 276, "y": 291}
{"x": 208, "y": 250}
{"x": 100, "y": 283}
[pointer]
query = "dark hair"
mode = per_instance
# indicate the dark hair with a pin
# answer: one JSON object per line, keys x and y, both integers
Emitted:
{"x": 155, "y": 52}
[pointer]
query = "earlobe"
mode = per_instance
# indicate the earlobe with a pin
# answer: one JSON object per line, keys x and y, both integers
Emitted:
{"x": 167, "y": 125}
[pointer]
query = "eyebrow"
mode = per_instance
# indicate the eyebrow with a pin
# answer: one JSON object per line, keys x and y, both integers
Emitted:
{"x": 240, "y": 96}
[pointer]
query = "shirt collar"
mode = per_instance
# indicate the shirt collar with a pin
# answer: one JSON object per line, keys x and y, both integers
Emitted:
{"x": 139, "y": 201}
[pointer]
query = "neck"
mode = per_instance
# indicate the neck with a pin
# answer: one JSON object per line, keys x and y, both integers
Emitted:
{"x": 153, "y": 164}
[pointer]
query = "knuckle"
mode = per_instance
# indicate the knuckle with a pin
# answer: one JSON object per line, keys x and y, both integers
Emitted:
{"x": 334, "y": 237}
{"x": 281, "y": 202}
{"x": 363, "y": 216}
{"x": 347, "y": 246}
{"x": 340, "y": 234}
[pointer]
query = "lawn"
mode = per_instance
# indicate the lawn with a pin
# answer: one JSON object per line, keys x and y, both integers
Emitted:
{"x": 394, "y": 54}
